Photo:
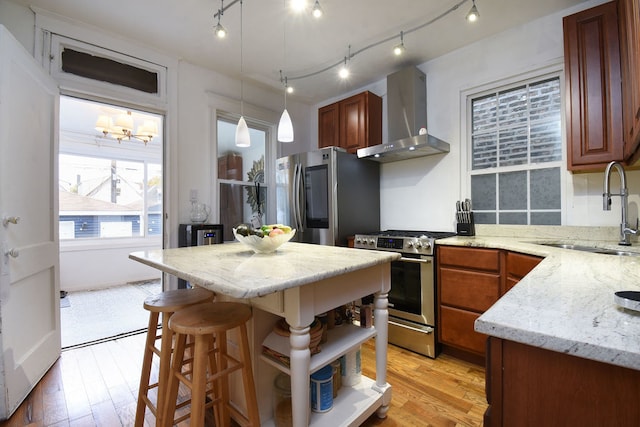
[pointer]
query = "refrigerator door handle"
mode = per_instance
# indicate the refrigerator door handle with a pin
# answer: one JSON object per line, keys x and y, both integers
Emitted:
{"x": 297, "y": 202}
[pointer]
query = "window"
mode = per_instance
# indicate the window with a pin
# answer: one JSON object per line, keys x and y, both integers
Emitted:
{"x": 107, "y": 187}
{"x": 516, "y": 154}
{"x": 241, "y": 175}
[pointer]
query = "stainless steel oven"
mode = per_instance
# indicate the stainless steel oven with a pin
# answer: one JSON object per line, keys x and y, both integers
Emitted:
{"x": 412, "y": 318}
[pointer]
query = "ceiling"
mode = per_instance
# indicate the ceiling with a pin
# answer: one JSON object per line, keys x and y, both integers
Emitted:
{"x": 275, "y": 38}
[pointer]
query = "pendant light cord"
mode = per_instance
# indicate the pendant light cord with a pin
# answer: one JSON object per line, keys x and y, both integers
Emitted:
{"x": 241, "y": 67}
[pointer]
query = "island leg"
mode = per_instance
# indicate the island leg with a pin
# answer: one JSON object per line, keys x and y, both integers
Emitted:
{"x": 300, "y": 363}
{"x": 381, "y": 319}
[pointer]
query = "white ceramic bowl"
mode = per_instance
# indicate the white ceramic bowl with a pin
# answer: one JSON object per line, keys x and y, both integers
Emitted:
{"x": 266, "y": 244}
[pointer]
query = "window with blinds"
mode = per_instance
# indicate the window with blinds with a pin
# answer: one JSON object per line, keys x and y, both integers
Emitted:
{"x": 516, "y": 153}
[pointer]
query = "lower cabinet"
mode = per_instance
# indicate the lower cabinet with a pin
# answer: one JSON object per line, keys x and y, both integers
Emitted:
{"x": 530, "y": 386}
{"x": 470, "y": 280}
{"x": 468, "y": 284}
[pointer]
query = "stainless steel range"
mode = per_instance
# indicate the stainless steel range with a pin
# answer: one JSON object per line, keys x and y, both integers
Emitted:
{"x": 412, "y": 318}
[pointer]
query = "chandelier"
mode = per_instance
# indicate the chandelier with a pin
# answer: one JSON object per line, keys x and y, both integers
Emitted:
{"x": 122, "y": 128}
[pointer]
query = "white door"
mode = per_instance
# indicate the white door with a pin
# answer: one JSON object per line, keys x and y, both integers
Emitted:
{"x": 29, "y": 273}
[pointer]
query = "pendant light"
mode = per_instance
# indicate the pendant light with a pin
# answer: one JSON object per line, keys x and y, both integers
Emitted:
{"x": 242, "y": 130}
{"x": 285, "y": 126}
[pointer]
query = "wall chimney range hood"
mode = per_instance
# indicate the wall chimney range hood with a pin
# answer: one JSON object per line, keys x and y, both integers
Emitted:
{"x": 406, "y": 116}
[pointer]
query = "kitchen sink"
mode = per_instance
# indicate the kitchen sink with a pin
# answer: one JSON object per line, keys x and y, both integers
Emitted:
{"x": 591, "y": 249}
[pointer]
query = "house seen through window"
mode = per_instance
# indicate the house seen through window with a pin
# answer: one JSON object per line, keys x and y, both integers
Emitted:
{"x": 110, "y": 182}
{"x": 516, "y": 154}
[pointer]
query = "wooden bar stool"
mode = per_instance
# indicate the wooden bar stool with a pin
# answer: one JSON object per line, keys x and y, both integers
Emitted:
{"x": 208, "y": 324}
{"x": 167, "y": 303}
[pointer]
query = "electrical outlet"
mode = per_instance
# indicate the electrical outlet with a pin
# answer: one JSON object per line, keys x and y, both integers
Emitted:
{"x": 194, "y": 195}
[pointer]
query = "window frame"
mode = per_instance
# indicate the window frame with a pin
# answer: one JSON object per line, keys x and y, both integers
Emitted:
{"x": 85, "y": 145}
{"x": 555, "y": 70}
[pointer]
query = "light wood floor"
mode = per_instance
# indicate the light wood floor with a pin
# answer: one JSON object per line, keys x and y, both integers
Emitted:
{"x": 97, "y": 386}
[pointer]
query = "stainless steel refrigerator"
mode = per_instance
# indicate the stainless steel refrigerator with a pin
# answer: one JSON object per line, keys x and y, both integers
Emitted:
{"x": 328, "y": 195}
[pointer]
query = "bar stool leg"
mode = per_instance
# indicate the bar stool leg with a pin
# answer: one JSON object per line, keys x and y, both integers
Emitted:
{"x": 173, "y": 383}
{"x": 143, "y": 390}
{"x": 247, "y": 379}
{"x": 166, "y": 347}
{"x": 199, "y": 381}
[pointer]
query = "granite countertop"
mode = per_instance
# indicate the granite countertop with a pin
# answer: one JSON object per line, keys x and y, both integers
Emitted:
{"x": 234, "y": 270}
{"x": 566, "y": 303}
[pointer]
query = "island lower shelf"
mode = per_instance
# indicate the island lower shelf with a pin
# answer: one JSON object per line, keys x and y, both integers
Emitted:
{"x": 352, "y": 407}
{"x": 340, "y": 340}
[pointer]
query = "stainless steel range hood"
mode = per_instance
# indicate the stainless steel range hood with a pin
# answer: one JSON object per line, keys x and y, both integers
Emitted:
{"x": 406, "y": 116}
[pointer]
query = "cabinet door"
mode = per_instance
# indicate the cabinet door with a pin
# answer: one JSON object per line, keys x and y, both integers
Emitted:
{"x": 593, "y": 85}
{"x": 353, "y": 123}
{"x": 518, "y": 266}
{"x": 328, "y": 126}
{"x": 629, "y": 19}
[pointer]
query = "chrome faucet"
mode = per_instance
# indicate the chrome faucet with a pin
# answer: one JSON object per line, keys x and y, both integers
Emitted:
{"x": 625, "y": 230}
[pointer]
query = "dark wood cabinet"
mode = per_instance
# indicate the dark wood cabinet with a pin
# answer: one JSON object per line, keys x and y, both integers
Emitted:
{"x": 629, "y": 26}
{"x": 468, "y": 284}
{"x": 517, "y": 266}
{"x": 352, "y": 123}
{"x": 328, "y": 126}
{"x": 593, "y": 88}
{"x": 470, "y": 280}
{"x": 531, "y": 386}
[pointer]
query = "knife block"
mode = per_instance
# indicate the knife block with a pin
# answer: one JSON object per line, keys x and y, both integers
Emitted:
{"x": 467, "y": 229}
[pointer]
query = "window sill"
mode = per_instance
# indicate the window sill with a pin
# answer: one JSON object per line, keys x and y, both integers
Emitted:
{"x": 111, "y": 243}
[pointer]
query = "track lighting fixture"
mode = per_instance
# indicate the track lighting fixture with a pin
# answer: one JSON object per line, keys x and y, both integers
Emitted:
{"x": 473, "y": 14}
{"x": 399, "y": 49}
{"x": 317, "y": 10}
{"x": 220, "y": 31}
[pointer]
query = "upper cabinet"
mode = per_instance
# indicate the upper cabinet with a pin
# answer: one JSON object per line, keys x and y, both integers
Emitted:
{"x": 593, "y": 88}
{"x": 602, "y": 65}
{"x": 629, "y": 19}
{"x": 352, "y": 123}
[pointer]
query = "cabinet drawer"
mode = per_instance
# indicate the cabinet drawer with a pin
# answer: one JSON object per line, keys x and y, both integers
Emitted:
{"x": 456, "y": 328}
{"x": 473, "y": 258}
{"x": 471, "y": 290}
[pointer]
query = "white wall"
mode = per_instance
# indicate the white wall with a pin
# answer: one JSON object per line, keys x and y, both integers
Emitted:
{"x": 421, "y": 193}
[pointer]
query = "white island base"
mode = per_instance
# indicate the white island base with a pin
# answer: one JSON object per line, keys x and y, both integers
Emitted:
{"x": 298, "y": 282}
{"x": 354, "y": 404}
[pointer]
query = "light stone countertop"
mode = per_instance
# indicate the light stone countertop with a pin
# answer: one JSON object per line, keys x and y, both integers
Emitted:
{"x": 566, "y": 303}
{"x": 234, "y": 270}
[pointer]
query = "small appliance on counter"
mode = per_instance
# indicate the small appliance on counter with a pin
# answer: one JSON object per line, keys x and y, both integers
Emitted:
{"x": 198, "y": 235}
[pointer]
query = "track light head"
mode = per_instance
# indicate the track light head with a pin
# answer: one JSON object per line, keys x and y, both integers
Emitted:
{"x": 317, "y": 10}
{"x": 220, "y": 31}
{"x": 473, "y": 14}
{"x": 399, "y": 49}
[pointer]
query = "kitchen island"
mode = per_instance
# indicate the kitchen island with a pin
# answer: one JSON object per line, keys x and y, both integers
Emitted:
{"x": 561, "y": 351}
{"x": 298, "y": 282}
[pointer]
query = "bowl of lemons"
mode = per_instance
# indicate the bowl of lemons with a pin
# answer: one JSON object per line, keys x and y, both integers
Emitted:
{"x": 266, "y": 239}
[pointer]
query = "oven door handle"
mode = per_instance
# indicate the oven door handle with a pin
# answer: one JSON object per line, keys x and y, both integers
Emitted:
{"x": 424, "y": 329}
{"x": 416, "y": 260}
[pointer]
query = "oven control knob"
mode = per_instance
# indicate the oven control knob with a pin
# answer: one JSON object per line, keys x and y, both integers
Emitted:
{"x": 418, "y": 245}
{"x": 372, "y": 242}
{"x": 427, "y": 244}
